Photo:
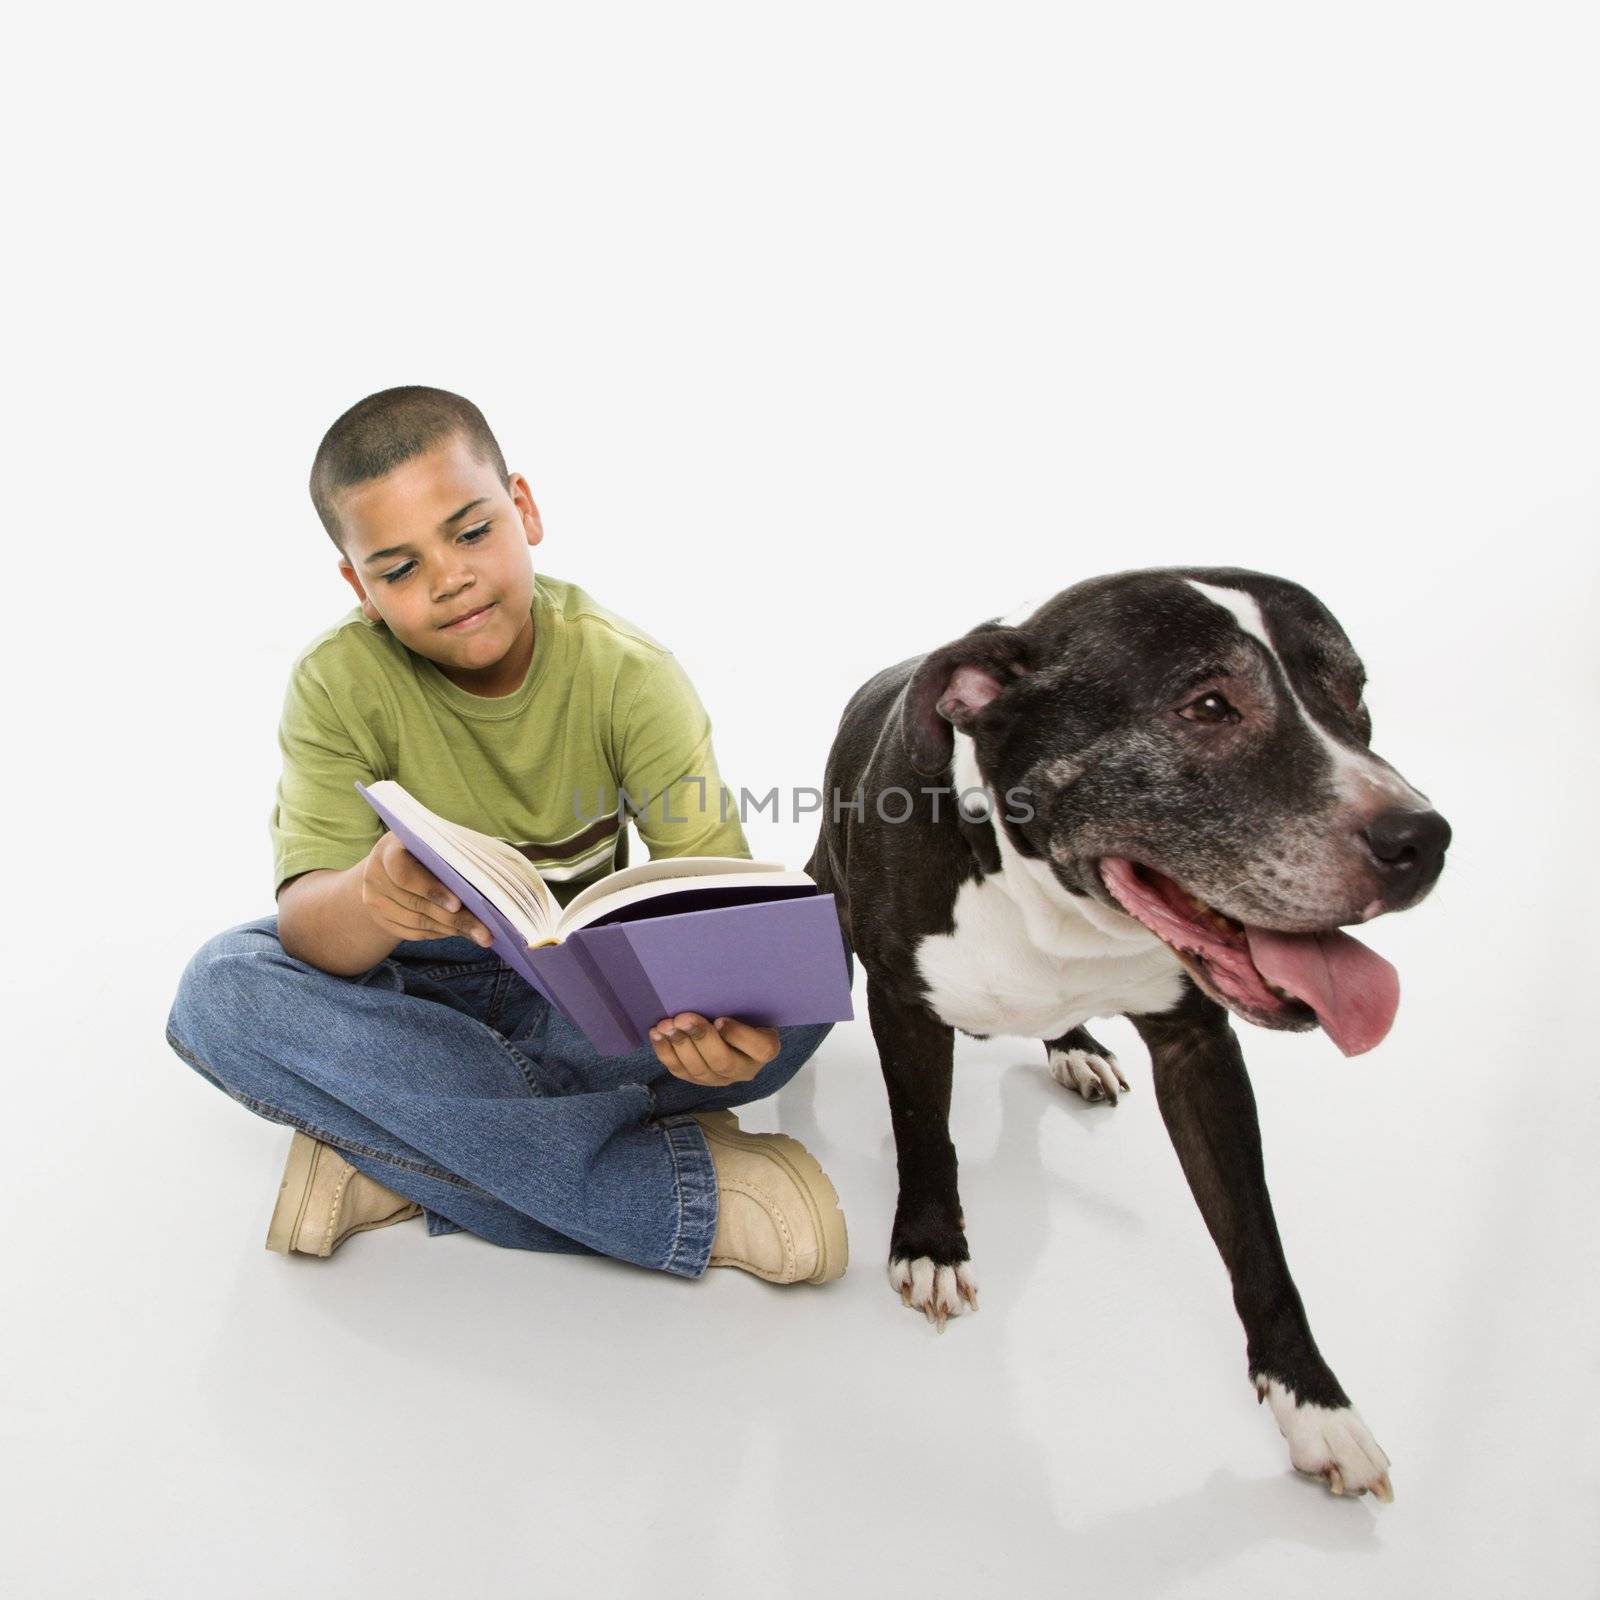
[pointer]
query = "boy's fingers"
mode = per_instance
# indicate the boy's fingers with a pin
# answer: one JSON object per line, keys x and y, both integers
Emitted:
{"x": 721, "y": 1061}
{"x": 688, "y": 1053}
{"x": 418, "y": 890}
{"x": 434, "y": 899}
{"x": 693, "y": 1063}
{"x": 419, "y": 918}
{"x": 412, "y": 878}
{"x": 747, "y": 1038}
{"x": 394, "y": 907}
{"x": 664, "y": 1053}
{"x": 673, "y": 1062}
{"x": 400, "y": 919}
{"x": 444, "y": 914}
{"x": 442, "y": 909}
{"x": 435, "y": 894}
{"x": 462, "y": 924}
{"x": 680, "y": 1065}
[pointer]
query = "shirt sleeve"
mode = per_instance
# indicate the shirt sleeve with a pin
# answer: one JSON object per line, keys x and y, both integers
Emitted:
{"x": 667, "y": 765}
{"x": 318, "y": 819}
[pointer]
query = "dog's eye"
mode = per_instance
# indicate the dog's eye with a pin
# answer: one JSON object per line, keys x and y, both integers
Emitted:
{"x": 1211, "y": 707}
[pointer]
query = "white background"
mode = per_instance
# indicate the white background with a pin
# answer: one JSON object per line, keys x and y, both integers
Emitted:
{"x": 821, "y": 334}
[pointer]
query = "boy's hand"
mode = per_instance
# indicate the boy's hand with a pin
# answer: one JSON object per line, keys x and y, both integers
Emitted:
{"x": 731, "y": 1052}
{"x": 407, "y": 901}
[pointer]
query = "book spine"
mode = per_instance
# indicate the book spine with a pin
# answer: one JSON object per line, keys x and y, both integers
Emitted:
{"x": 603, "y": 981}
{"x": 585, "y": 1004}
{"x": 635, "y": 996}
{"x": 521, "y": 962}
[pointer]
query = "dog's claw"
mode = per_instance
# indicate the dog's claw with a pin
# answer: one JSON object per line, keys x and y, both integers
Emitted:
{"x": 939, "y": 1290}
{"x": 1092, "y": 1076}
{"x": 1329, "y": 1442}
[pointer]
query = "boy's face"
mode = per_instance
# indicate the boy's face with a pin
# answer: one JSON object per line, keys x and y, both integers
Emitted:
{"x": 438, "y": 537}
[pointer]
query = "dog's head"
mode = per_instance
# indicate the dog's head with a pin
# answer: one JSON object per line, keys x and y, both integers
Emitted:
{"x": 1190, "y": 747}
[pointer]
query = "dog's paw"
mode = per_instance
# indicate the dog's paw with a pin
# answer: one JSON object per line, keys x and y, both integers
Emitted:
{"x": 1094, "y": 1075}
{"x": 1330, "y": 1442}
{"x": 936, "y": 1289}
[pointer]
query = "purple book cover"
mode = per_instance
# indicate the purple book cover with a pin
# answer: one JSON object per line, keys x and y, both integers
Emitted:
{"x": 771, "y": 962}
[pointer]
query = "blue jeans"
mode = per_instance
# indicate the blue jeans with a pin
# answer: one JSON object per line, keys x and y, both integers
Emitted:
{"x": 442, "y": 1074}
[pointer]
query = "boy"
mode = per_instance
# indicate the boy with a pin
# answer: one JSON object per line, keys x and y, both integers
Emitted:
{"x": 423, "y": 1076}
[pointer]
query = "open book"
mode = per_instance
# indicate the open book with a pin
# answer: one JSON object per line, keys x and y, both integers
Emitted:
{"x": 716, "y": 935}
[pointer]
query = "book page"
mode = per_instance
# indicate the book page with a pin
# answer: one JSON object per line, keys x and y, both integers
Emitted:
{"x": 512, "y": 868}
{"x": 493, "y": 871}
{"x": 667, "y": 868}
{"x": 763, "y": 877}
{"x": 513, "y": 885}
{"x": 472, "y": 869}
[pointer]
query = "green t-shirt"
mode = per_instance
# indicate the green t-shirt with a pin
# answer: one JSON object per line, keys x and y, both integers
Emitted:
{"x": 604, "y": 708}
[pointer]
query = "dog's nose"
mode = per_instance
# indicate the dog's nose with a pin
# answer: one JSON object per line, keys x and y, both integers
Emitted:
{"x": 1409, "y": 848}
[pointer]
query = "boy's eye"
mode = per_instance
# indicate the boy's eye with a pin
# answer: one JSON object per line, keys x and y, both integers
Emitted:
{"x": 471, "y": 536}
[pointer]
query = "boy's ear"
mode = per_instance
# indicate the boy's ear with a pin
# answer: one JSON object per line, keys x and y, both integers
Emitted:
{"x": 348, "y": 573}
{"x": 522, "y": 499}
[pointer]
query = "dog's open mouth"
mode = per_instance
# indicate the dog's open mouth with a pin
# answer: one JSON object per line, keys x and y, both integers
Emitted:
{"x": 1280, "y": 980}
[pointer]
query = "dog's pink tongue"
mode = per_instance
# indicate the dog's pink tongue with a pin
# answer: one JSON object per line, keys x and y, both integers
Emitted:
{"x": 1353, "y": 990}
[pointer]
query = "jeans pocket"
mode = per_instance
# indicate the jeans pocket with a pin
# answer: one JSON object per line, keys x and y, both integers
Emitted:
{"x": 473, "y": 987}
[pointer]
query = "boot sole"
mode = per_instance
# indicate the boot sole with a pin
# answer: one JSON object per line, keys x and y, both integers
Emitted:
{"x": 833, "y": 1251}
{"x": 294, "y": 1193}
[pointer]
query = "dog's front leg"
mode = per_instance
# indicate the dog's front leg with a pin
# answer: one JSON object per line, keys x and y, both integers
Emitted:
{"x": 928, "y": 1258}
{"x": 1210, "y": 1112}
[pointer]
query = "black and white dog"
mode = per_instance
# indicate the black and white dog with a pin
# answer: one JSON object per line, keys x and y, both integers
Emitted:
{"x": 1150, "y": 796}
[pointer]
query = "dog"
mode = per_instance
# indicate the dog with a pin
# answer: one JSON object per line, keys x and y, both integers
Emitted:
{"x": 1153, "y": 796}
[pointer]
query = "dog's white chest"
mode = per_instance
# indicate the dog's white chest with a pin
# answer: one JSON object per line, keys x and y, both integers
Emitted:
{"x": 1004, "y": 971}
{"x": 1029, "y": 960}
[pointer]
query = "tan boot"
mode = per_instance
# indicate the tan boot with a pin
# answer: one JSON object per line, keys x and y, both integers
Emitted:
{"x": 323, "y": 1200}
{"x": 778, "y": 1215}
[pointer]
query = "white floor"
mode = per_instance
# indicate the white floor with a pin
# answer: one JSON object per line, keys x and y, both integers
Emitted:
{"x": 821, "y": 336}
{"x": 417, "y": 1416}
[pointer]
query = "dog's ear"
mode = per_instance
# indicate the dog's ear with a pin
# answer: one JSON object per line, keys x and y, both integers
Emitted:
{"x": 953, "y": 685}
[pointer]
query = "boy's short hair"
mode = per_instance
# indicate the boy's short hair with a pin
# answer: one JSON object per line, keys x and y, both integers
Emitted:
{"x": 376, "y": 434}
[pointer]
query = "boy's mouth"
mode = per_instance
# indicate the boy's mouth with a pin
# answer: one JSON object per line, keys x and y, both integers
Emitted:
{"x": 470, "y": 619}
